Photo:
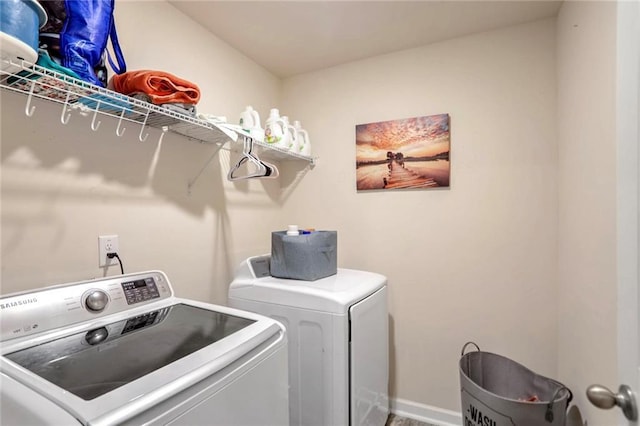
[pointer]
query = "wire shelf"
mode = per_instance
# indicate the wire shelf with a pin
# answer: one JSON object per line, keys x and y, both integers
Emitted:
{"x": 271, "y": 151}
{"x": 38, "y": 82}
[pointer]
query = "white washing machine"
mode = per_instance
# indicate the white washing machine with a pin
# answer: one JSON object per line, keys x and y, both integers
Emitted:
{"x": 124, "y": 350}
{"x": 337, "y": 329}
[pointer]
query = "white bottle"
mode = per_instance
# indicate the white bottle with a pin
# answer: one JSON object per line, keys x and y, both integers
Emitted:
{"x": 250, "y": 119}
{"x": 302, "y": 139}
{"x": 275, "y": 132}
{"x": 292, "y": 135}
{"x": 250, "y": 122}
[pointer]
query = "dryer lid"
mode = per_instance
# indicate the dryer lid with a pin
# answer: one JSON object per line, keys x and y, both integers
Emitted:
{"x": 331, "y": 294}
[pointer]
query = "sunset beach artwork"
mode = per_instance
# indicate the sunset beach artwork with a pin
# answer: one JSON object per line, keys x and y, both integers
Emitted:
{"x": 409, "y": 153}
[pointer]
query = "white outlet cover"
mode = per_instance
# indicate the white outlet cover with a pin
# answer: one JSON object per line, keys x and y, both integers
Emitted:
{"x": 107, "y": 244}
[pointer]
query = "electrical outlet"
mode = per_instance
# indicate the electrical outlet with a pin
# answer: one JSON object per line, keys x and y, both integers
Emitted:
{"x": 107, "y": 244}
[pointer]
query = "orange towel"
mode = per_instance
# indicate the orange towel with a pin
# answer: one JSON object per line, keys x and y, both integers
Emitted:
{"x": 162, "y": 87}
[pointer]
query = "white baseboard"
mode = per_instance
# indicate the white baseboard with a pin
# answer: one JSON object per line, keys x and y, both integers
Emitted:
{"x": 425, "y": 413}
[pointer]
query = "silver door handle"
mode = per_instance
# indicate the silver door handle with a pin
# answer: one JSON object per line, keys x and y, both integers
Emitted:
{"x": 602, "y": 397}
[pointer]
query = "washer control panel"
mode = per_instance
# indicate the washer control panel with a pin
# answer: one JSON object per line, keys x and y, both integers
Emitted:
{"x": 140, "y": 290}
{"x": 23, "y": 314}
{"x": 260, "y": 266}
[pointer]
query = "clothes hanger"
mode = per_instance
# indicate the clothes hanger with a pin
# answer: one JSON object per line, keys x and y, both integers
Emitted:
{"x": 262, "y": 169}
{"x": 259, "y": 169}
{"x": 272, "y": 171}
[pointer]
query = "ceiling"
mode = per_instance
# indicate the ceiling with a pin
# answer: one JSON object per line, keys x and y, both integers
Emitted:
{"x": 294, "y": 37}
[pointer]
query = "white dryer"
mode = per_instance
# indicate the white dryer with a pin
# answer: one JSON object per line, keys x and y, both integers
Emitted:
{"x": 337, "y": 329}
{"x": 124, "y": 350}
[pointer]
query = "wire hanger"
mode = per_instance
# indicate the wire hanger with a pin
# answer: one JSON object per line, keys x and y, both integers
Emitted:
{"x": 261, "y": 169}
{"x": 251, "y": 161}
{"x": 272, "y": 171}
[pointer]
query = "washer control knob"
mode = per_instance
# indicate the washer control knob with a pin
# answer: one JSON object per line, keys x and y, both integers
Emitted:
{"x": 96, "y": 300}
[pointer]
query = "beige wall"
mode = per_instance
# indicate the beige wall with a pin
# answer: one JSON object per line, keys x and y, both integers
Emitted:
{"x": 511, "y": 256}
{"x": 476, "y": 261}
{"x": 62, "y": 186}
{"x": 587, "y": 197}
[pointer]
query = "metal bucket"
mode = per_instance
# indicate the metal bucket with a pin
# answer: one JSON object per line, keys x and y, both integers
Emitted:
{"x": 497, "y": 391}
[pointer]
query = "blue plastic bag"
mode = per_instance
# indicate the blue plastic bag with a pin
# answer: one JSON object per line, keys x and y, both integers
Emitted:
{"x": 83, "y": 40}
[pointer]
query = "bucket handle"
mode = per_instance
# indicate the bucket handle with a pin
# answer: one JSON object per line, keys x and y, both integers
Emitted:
{"x": 467, "y": 344}
{"x": 548, "y": 415}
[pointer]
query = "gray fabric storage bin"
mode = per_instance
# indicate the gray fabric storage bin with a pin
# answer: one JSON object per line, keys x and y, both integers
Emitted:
{"x": 498, "y": 391}
{"x": 305, "y": 257}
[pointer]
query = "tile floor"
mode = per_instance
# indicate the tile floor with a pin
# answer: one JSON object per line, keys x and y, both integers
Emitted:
{"x": 394, "y": 420}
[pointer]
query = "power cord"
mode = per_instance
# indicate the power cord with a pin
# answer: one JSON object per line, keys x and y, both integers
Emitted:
{"x": 112, "y": 255}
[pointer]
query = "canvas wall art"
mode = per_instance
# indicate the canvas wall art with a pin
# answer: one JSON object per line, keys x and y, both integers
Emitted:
{"x": 400, "y": 154}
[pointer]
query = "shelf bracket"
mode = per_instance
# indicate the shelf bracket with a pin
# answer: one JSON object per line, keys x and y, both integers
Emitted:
{"x": 120, "y": 131}
{"x": 165, "y": 129}
{"x": 193, "y": 181}
{"x": 29, "y": 109}
{"x": 94, "y": 125}
{"x": 65, "y": 110}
